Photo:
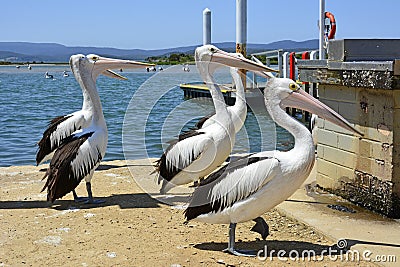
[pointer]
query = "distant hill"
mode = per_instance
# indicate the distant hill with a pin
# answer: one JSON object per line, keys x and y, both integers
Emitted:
{"x": 52, "y": 52}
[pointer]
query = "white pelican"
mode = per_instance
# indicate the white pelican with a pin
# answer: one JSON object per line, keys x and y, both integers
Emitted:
{"x": 65, "y": 74}
{"x": 254, "y": 184}
{"x": 198, "y": 152}
{"x": 48, "y": 76}
{"x": 237, "y": 112}
{"x": 79, "y": 139}
{"x": 63, "y": 126}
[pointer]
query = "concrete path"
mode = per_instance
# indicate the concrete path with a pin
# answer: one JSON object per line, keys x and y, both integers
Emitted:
{"x": 367, "y": 235}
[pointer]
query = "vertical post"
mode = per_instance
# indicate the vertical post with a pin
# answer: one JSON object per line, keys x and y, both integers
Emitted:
{"x": 285, "y": 64}
{"x": 313, "y": 55}
{"x": 292, "y": 66}
{"x": 280, "y": 63}
{"x": 304, "y": 56}
{"x": 313, "y": 86}
{"x": 321, "y": 29}
{"x": 241, "y": 26}
{"x": 241, "y": 32}
{"x": 306, "y": 86}
{"x": 206, "y": 26}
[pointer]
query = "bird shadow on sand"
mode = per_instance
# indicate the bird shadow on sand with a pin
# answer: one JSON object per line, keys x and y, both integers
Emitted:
{"x": 106, "y": 166}
{"x": 277, "y": 248}
{"x": 124, "y": 201}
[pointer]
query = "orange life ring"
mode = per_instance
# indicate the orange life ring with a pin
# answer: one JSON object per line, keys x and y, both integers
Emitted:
{"x": 332, "y": 30}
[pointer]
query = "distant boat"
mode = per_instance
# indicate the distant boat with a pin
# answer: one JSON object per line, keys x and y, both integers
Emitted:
{"x": 17, "y": 67}
{"x": 48, "y": 76}
{"x": 65, "y": 74}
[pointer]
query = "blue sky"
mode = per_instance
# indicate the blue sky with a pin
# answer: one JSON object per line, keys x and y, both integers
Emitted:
{"x": 162, "y": 24}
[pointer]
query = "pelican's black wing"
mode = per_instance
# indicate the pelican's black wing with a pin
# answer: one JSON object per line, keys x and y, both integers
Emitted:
{"x": 63, "y": 175}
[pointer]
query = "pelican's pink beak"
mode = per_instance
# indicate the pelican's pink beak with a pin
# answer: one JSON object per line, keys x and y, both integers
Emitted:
{"x": 236, "y": 60}
{"x": 300, "y": 99}
{"x": 112, "y": 63}
{"x": 103, "y": 65}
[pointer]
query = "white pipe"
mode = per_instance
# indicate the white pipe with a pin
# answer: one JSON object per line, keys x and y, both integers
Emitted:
{"x": 285, "y": 65}
{"x": 241, "y": 26}
{"x": 280, "y": 63}
{"x": 321, "y": 29}
{"x": 206, "y": 26}
{"x": 313, "y": 54}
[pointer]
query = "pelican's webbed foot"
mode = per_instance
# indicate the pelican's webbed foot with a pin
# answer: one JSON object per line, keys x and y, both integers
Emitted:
{"x": 90, "y": 199}
{"x": 231, "y": 244}
{"x": 239, "y": 252}
{"x": 79, "y": 199}
{"x": 94, "y": 201}
{"x": 261, "y": 227}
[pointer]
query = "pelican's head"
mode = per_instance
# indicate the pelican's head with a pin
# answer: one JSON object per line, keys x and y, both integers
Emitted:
{"x": 210, "y": 53}
{"x": 287, "y": 93}
{"x": 95, "y": 65}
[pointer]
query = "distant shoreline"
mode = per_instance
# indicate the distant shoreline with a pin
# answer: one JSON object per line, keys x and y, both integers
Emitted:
{"x": 33, "y": 64}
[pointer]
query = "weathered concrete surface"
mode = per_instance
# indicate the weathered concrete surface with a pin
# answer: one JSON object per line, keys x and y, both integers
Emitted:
{"x": 132, "y": 228}
{"x": 365, "y": 170}
{"x": 365, "y": 232}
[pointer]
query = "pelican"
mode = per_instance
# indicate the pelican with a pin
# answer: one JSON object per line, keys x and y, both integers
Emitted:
{"x": 254, "y": 184}
{"x": 63, "y": 126}
{"x": 48, "y": 76}
{"x": 79, "y": 140}
{"x": 65, "y": 74}
{"x": 198, "y": 152}
{"x": 237, "y": 112}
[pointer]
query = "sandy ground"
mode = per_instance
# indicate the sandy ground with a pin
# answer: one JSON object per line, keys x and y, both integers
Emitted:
{"x": 132, "y": 229}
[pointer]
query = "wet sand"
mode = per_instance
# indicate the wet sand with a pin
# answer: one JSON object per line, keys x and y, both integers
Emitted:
{"x": 131, "y": 228}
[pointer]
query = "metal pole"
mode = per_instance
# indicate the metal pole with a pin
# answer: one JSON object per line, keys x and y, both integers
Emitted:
{"x": 321, "y": 29}
{"x": 285, "y": 64}
{"x": 241, "y": 32}
{"x": 241, "y": 26}
{"x": 206, "y": 26}
{"x": 280, "y": 63}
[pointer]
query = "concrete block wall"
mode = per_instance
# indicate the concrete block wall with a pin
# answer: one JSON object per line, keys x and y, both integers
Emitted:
{"x": 364, "y": 170}
{"x": 361, "y": 80}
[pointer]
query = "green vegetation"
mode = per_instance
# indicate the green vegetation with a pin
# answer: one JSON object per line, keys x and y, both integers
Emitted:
{"x": 273, "y": 61}
{"x": 172, "y": 59}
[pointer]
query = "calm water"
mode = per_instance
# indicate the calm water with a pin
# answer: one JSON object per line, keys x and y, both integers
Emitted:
{"x": 141, "y": 113}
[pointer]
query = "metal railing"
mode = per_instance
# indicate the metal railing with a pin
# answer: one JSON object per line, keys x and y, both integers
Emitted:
{"x": 283, "y": 59}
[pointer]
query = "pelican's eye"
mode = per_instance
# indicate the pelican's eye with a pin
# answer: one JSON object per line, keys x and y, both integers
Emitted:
{"x": 94, "y": 58}
{"x": 293, "y": 86}
{"x": 213, "y": 50}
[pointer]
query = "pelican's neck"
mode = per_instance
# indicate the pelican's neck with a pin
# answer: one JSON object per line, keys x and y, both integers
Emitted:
{"x": 222, "y": 116}
{"x": 87, "y": 101}
{"x": 217, "y": 97}
{"x": 302, "y": 155}
{"x": 240, "y": 102}
{"x": 240, "y": 107}
{"x": 91, "y": 99}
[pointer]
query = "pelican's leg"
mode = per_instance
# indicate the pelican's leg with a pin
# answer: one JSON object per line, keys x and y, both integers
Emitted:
{"x": 261, "y": 227}
{"x": 78, "y": 199}
{"x": 90, "y": 195}
{"x": 231, "y": 244}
